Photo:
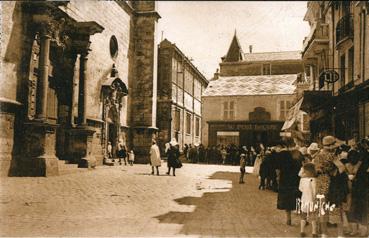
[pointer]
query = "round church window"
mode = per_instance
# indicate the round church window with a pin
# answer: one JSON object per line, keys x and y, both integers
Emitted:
{"x": 113, "y": 47}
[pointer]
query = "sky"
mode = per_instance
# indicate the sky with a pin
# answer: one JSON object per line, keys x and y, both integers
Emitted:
{"x": 203, "y": 30}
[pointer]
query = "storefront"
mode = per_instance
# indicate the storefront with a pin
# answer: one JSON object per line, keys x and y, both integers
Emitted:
{"x": 240, "y": 133}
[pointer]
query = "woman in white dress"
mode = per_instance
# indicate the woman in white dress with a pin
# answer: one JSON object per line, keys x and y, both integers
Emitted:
{"x": 155, "y": 159}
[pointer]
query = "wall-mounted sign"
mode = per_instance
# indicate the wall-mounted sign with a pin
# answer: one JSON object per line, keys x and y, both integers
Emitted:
{"x": 329, "y": 76}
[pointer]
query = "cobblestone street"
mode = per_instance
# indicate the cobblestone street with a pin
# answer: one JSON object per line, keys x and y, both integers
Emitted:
{"x": 202, "y": 200}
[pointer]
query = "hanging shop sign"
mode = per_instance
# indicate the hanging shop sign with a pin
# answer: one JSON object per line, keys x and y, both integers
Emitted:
{"x": 329, "y": 76}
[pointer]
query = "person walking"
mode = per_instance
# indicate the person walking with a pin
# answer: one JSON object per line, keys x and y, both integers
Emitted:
{"x": 308, "y": 198}
{"x": 122, "y": 152}
{"x": 131, "y": 157}
{"x": 173, "y": 156}
{"x": 242, "y": 167}
{"x": 155, "y": 159}
{"x": 289, "y": 164}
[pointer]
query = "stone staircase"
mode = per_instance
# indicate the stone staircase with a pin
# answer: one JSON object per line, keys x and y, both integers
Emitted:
{"x": 112, "y": 162}
{"x": 66, "y": 168}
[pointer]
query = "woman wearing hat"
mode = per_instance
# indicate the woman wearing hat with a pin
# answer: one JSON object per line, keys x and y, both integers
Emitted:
{"x": 313, "y": 150}
{"x": 330, "y": 181}
{"x": 173, "y": 156}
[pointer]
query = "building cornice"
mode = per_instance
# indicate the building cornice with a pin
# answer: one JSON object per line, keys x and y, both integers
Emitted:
{"x": 261, "y": 62}
{"x": 186, "y": 60}
{"x": 125, "y": 6}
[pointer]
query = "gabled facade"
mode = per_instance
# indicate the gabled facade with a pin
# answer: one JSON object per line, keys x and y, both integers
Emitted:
{"x": 247, "y": 101}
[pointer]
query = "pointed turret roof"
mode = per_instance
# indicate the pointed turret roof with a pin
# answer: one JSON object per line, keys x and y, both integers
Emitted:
{"x": 235, "y": 52}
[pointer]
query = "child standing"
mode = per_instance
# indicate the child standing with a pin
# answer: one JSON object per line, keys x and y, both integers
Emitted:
{"x": 242, "y": 167}
{"x": 131, "y": 157}
{"x": 110, "y": 148}
{"x": 308, "y": 188}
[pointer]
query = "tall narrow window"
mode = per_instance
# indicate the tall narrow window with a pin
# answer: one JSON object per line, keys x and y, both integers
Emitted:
{"x": 177, "y": 120}
{"x": 342, "y": 69}
{"x": 188, "y": 123}
{"x": 174, "y": 70}
{"x": 351, "y": 64}
{"x": 284, "y": 106}
{"x": 225, "y": 110}
{"x": 197, "y": 127}
{"x": 229, "y": 110}
{"x": 266, "y": 69}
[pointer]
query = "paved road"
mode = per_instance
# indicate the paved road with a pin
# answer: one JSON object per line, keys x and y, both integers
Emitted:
{"x": 202, "y": 200}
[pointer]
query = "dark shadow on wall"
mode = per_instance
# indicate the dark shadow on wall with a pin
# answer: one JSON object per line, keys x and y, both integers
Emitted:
{"x": 18, "y": 53}
{"x": 242, "y": 211}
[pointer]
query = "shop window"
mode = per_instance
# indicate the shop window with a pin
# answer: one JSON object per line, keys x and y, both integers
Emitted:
{"x": 188, "y": 123}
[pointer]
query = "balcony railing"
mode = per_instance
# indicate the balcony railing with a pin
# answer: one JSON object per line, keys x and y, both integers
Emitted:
{"x": 318, "y": 32}
{"x": 344, "y": 28}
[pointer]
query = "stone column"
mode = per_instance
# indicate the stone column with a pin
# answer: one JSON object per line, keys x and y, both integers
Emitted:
{"x": 35, "y": 155}
{"x": 43, "y": 83}
{"x": 82, "y": 96}
{"x": 73, "y": 90}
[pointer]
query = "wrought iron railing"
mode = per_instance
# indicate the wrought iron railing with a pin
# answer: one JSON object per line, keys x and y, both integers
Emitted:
{"x": 344, "y": 28}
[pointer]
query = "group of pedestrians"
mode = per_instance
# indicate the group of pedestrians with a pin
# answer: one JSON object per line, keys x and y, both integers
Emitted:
{"x": 127, "y": 156}
{"x": 220, "y": 154}
{"x": 326, "y": 186}
{"x": 172, "y": 153}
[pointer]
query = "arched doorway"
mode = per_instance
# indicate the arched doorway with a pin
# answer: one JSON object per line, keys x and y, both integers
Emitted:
{"x": 112, "y": 130}
{"x": 113, "y": 91}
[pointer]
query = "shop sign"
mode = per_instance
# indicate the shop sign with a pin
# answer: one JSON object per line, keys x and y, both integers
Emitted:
{"x": 329, "y": 76}
{"x": 257, "y": 127}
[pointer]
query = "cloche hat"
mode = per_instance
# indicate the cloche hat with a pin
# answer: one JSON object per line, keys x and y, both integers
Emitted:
{"x": 330, "y": 142}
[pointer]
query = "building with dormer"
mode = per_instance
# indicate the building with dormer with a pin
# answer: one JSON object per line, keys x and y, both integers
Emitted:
{"x": 247, "y": 101}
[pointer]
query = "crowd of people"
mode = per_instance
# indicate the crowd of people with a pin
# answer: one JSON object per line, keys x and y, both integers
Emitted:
{"x": 221, "y": 154}
{"x": 327, "y": 186}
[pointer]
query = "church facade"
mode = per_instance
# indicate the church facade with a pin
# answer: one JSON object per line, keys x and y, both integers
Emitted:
{"x": 247, "y": 101}
{"x": 75, "y": 78}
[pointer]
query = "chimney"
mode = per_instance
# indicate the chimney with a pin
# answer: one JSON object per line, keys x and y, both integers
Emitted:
{"x": 250, "y": 48}
{"x": 216, "y": 75}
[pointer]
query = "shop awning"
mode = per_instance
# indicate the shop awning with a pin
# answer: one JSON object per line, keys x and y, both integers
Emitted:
{"x": 315, "y": 99}
{"x": 292, "y": 115}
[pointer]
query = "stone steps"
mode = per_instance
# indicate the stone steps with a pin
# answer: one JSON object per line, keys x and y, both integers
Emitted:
{"x": 112, "y": 162}
{"x": 66, "y": 168}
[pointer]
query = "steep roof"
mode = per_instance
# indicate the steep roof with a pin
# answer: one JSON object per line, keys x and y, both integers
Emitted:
{"x": 251, "y": 85}
{"x": 235, "y": 52}
{"x": 273, "y": 56}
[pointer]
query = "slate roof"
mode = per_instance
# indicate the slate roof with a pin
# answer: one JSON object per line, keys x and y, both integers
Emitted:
{"x": 251, "y": 85}
{"x": 273, "y": 56}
